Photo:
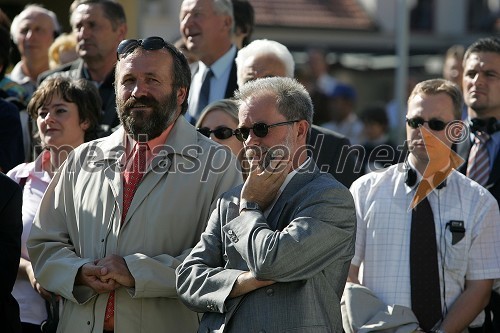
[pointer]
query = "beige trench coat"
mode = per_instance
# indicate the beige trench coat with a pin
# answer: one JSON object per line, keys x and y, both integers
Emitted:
{"x": 79, "y": 221}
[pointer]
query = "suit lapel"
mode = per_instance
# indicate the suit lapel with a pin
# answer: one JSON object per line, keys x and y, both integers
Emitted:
{"x": 181, "y": 136}
{"x": 495, "y": 171}
{"x": 276, "y": 219}
{"x": 463, "y": 150}
{"x": 232, "y": 83}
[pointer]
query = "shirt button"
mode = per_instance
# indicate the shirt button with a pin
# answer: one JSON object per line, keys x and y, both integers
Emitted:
{"x": 270, "y": 292}
{"x": 230, "y": 232}
{"x": 224, "y": 256}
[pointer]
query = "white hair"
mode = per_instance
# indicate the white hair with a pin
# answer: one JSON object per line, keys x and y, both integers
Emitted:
{"x": 265, "y": 47}
{"x": 14, "y": 28}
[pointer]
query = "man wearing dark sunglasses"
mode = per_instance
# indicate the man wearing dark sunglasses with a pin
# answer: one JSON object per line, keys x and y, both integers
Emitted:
{"x": 481, "y": 150}
{"x": 127, "y": 208}
{"x": 267, "y": 58}
{"x": 425, "y": 232}
{"x": 275, "y": 254}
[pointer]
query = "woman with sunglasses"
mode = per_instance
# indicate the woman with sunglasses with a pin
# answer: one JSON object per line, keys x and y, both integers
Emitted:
{"x": 218, "y": 122}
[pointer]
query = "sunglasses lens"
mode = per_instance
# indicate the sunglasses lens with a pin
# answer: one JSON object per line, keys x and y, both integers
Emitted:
{"x": 242, "y": 133}
{"x": 127, "y": 46}
{"x": 415, "y": 122}
{"x": 153, "y": 43}
{"x": 223, "y": 133}
{"x": 205, "y": 131}
{"x": 260, "y": 129}
{"x": 436, "y": 124}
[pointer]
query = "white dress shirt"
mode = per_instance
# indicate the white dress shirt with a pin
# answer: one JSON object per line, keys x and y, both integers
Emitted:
{"x": 218, "y": 83}
{"x": 382, "y": 202}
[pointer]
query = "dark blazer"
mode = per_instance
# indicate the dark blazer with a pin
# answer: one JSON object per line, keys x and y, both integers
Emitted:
{"x": 11, "y": 136}
{"x": 232, "y": 83}
{"x": 11, "y": 227}
{"x": 305, "y": 245}
{"x": 331, "y": 151}
{"x": 493, "y": 184}
{"x": 109, "y": 117}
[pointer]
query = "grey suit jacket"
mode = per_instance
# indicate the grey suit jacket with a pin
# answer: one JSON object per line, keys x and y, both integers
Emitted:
{"x": 305, "y": 245}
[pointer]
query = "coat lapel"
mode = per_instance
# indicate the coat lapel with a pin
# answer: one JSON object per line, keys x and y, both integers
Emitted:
{"x": 276, "y": 219}
{"x": 182, "y": 135}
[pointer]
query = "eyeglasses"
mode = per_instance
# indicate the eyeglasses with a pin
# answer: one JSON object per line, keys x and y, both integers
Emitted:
{"x": 259, "y": 129}
{"x": 151, "y": 44}
{"x": 221, "y": 133}
{"x": 434, "y": 124}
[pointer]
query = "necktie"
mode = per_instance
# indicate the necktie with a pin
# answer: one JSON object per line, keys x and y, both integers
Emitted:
{"x": 204, "y": 96}
{"x": 424, "y": 273}
{"x": 478, "y": 166}
{"x": 131, "y": 179}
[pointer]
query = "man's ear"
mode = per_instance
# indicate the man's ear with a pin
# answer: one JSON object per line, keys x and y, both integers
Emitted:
{"x": 302, "y": 129}
{"x": 228, "y": 23}
{"x": 181, "y": 95}
{"x": 122, "y": 31}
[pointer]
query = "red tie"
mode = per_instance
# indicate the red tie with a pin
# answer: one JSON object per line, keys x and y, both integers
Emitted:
{"x": 131, "y": 178}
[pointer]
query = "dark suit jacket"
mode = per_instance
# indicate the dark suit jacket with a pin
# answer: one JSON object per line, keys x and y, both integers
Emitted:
{"x": 493, "y": 184}
{"x": 332, "y": 154}
{"x": 109, "y": 116}
{"x": 232, "y": 83}
{"x": 11, "y": 136}
{"x": 11, "y": 227}
{"x": 305, "y": 245}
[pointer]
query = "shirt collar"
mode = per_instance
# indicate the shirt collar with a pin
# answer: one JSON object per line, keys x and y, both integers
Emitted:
{"x": 285, "y": 183}
{"x": 152, "y": 144}
{"x": 219, "y": 67}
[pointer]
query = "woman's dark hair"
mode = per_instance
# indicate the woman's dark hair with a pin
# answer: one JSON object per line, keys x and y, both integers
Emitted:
{"x": 79, "y": 91}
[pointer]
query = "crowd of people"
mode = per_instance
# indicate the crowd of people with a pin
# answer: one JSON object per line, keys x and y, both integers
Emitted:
{"x": 197, "y": 185}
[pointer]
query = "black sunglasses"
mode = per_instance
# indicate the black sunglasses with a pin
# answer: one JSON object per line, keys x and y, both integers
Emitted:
{"x": 434, "y": 124}
{"x": 259, "y": 129}
{"x": 151, "y": 44}
{"x": 221, "y": 133}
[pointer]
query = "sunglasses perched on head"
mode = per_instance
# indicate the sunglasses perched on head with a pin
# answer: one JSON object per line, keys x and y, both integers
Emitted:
{"x": 434, "y": 124}
{"x": 127, "y": 46}
{"x": 259, "y": 129}
{"x": 221, "y": 133}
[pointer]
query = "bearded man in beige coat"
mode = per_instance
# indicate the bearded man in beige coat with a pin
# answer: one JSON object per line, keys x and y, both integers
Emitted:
{"x": 115, "y": 265}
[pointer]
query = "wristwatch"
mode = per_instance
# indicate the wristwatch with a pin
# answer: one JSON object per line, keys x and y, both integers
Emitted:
{"x": 249, "y": 205}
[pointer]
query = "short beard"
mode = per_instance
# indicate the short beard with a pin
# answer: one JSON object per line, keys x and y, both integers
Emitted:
{"x": 140, "y": 125}
{"x": 266, "y": 154}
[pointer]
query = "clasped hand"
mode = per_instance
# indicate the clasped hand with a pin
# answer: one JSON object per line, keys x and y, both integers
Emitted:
{"x": 106, "y": 274}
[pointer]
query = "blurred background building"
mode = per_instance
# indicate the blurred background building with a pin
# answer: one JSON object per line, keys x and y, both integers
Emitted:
{"x": 358, "y": 36}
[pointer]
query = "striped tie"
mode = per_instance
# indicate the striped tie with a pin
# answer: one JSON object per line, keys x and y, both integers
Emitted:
{"x": 478, "y": 167}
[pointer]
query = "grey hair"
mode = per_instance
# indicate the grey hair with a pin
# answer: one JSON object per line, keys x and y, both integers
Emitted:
{"x": 265, "y": 47}
{"x": 225, "y": 7}
{"x": 32, "y": 8}
{"x": 226, "y": 105}
{"x": 292, "y": 99}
